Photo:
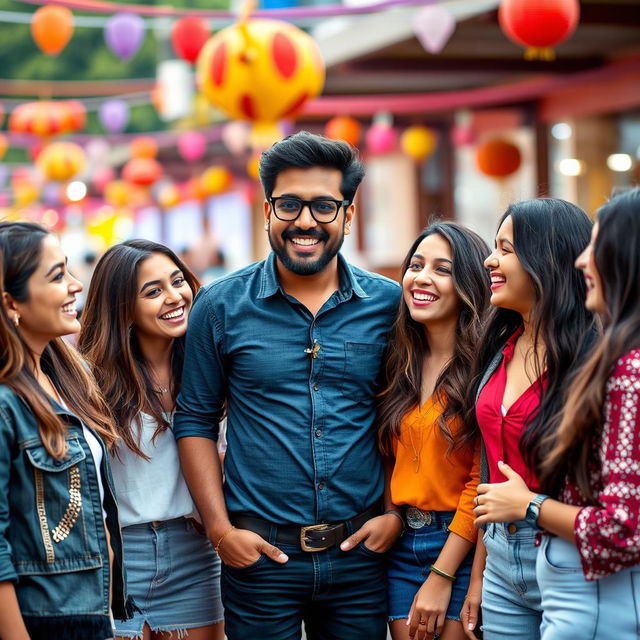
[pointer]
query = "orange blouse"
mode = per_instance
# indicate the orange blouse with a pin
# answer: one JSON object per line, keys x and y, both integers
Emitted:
{"x": 427, "y": 477}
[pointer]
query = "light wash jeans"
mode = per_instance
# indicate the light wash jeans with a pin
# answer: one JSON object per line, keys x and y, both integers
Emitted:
{"x": 575, "y": 608}
{"x": 511, "y": 607}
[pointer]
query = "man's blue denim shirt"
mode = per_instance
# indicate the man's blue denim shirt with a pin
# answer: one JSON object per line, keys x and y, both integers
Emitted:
{"x": 302, "y": 443}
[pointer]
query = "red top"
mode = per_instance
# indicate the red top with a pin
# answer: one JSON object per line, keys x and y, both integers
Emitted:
{"x": 501, "y": 434}
{"x": 608, "y": 534}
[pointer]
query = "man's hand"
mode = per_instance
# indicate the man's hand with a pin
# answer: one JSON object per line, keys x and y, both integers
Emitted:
{"x": 379, "y": 532}
{"x": 242, "y": 547}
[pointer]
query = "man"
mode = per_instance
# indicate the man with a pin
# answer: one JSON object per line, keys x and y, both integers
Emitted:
{"x": 292, "y": 348}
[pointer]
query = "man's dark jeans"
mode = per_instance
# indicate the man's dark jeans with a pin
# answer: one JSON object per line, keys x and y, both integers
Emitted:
{"x": 340, "y": 595}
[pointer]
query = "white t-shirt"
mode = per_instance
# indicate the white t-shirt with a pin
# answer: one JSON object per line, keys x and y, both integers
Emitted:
{"x": 96, "y": 454}
{"x": 154, "y": 489}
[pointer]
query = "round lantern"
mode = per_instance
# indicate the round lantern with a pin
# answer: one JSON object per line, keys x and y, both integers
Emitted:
{"x": 168, "y": 196}
{"x": 235, "y": 136}
{"x": 4, "y": 145}
{"x": 498, "y": 158}
{"x": 381, "y": 138}
{"x": 102, "y": 176}
{"x": 188, "y": 36}
{"x": 124, "y": 33}
{"x": 539, "y": 25}
{"x": 192, "y": 145}
{"x": 47, "y": 117}
{"x": 418, "y": 142}
{"x": 142, "y": 171}
{"x": 343, "y": 128}
{"x": 51, "y": 27}
{"x": 260, "y": 70}
{"x": 253, "y": 166}
{"x": 116, "y": 193}
{"x": 144, "y": 147}
{"x": 215, "y": 180}
{"x": 61, "y": 161}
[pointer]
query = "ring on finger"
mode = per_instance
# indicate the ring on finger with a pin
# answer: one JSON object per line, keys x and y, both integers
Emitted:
{"x": 476, "y": 501}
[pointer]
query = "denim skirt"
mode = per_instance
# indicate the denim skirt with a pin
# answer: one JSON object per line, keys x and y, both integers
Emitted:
{"x": 409, "y": 563}
{"x": 173, "y": 575}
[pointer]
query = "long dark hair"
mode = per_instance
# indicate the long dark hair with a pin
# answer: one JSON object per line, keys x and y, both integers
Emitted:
{"x": 21, "y": 252}
{"x": 548, "y": 236}
{"x": 408, "y": 342}
{"x": 109, "y": 342}
{"x": 617, "y": 261}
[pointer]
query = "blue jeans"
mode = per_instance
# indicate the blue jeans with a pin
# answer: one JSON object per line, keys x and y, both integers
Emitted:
{"x": 336, "y": 594}
{"x": 511, "y": 606}
{"x": 575, "y": 608}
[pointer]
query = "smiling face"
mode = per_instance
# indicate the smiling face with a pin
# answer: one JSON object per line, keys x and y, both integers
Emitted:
{"x": 304, "y": 246}
{"x": 427, "y": 285}
{"x": 50, "y": 310}
{"x": 164, "y": 299}
{"x": 511, "y": 286}
{"x": 586, "y": 262}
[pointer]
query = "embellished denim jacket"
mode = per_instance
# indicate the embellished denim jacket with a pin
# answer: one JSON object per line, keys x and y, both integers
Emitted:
{"x": 53, "y": 542}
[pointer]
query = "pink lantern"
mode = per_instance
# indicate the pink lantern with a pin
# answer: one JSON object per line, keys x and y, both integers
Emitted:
{"x": 235, "y": 136}
{"x": 381, "y": 138}
{"x": 433, "y": 27}
{"x": 102, "y": 176}
{"x": 192, "y": 145}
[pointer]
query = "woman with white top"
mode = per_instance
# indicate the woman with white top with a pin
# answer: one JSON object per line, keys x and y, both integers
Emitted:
{"x": 132, "y": 336}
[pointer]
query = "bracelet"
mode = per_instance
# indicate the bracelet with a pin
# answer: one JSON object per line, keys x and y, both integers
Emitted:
{"x": 442, "y": 573}
{"x": 222, "y": 537}
{"x": 397, "y": 514}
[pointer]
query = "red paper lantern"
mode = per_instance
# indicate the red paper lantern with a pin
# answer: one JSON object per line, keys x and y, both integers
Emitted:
{"x": 188, "y": 36}
{"x": 343, "y": 128}
{"x": 142, "y": 171}
{"x": 47, "y": 117}
{"x": 498, "y": 158}
{"x": 144, "y": 147}
{"x": 539, "y": 25}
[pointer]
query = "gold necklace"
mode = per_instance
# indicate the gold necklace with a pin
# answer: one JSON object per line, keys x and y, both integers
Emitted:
{"x": 416, "y": 452}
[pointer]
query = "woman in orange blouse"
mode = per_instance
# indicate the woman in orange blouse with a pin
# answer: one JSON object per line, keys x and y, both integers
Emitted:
{"x": 434, "y": 469}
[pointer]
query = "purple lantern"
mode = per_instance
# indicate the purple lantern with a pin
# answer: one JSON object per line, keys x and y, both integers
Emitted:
{"x": 114, "y": 115}
{"x": 124, "y": 33}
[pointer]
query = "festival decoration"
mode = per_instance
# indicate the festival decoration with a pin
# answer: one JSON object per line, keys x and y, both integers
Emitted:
{"x": 46, "y": 118}
{"x": 142, "y": 171}
{"x": 116, "y": 193}
{"x": 124, "y": 33}
{"x": 4, "y": 145}
{"x": 61, "y": 161}
{"x": 260, "y": 70}
{"x": 253, "y": 166}
{"x": 381, "y": 138}
{"x": 25, "y": 193}
{"x": 433, "y": 27}
{"x": 114, "y": 115}
{"x": 539, "y": 25}
{"x": 498, "y": 158}
{"x": 215, "y": 180}
{"x": 188, "y": 36}
{"x": 51, "y": 28}
{"x": 144, "y": 147}
{"x": 344, "y": 128}
{"x": 419, "y": 142}
{"x": 102, "y": 176}
{"x": 192, "y": 145}
{"x": 169, "y": 196}
{"x": 463, "y": 133}
{"x": 235, "y": 136}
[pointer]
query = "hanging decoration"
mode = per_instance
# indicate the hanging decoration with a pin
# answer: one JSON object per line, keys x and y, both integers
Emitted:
{"x": 188, "y": 36}
{"x": 102, "y": 176}
{"x": 539, "y": 25}
{"x": 142, "y": 171}
{"x": 192, "y": 145}
{"x": 4, "y": 145}
{"x": 463, "y": 133}
{"x": 52, "y": 28}
{"x": 235, "y": 136}
{"x": 124, "y": 33}
{"x": 344, "y": 128}
{"x": 253, "y": 166}
{"x": 61, "y": 161}
{"x": 114, "y": 115}
{"x": 46, "y": 118}
{"x": 168, "y": 196}
{"x": 434, "y": 26}
{"x": 498, "y": 158}
{"x": 143, "y": 147}
{"x": 381, "y": 137}
{"x": 419, "y": 142}
{"x": 116, "y": 193}
{"x": 215, "y": 180}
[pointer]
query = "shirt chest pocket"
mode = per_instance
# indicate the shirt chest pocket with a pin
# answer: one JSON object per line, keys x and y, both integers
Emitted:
{"x": 361, "y": 371}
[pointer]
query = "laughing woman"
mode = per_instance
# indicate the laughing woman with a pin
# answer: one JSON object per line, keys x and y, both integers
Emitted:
{"x": 133, "y": 330}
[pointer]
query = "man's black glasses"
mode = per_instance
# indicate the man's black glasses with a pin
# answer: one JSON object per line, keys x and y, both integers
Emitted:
{"x": 323, "y": 210}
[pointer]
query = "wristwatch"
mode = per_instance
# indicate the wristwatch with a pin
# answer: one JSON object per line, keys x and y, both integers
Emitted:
{"x": 533, "y": 510}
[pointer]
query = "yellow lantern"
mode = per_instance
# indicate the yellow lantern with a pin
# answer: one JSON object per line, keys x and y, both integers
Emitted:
{"x": 61, "y": 161}
{"x": 4, "y": 145}
{"x": 25, "y": 193}
{"x": 253, "y": 166}
{"x": 168, "y": 196}
{"x": 116, "y": 193}
{"x": 419, "y": 142}
{"x": 260, "y": 70}
{"x": 215, "y": 180}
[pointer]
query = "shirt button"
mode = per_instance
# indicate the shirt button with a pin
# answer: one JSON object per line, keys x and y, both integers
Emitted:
{"x": 318, "y": 433}
{"x": 321, "y": 486}
{"x": 512, "y": 528}
{"x": 315, "y": 387}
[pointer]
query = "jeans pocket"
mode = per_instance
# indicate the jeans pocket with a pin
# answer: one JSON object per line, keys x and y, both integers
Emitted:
{"x": 370, "y": 552}
{"x": 249, "y": 567}
{"x": 561, "y": 556}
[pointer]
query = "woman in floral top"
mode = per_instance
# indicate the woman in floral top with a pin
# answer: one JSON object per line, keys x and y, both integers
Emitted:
{"x": 588, "y": 566}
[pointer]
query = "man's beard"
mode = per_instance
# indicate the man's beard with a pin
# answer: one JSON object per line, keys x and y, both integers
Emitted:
{"x": 302, "y": 267}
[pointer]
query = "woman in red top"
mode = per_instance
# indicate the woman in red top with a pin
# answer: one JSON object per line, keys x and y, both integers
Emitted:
{"x": 532, "y": 340}
{"x": 588, "y": 570}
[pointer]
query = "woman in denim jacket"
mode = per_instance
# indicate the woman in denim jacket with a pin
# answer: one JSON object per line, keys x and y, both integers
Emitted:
{"x": 61, "y": 571}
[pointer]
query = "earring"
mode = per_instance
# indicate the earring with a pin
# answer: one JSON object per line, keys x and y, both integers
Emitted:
{"x": 16, "y": 320}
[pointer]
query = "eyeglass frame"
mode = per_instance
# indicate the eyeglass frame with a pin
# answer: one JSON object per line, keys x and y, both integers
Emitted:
{"x": 308, "y": 203}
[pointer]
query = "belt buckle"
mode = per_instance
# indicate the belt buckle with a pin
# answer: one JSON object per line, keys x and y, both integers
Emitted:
{"x": 417, "y": 518}
{"x": 303, "y": 534}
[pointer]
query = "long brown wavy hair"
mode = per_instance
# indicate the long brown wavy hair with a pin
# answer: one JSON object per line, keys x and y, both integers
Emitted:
{"x": 617, "y": 261}
{"x": 21, "y": 252}
{"x": 109, "y": 342}
{"x": 408, "y": 344}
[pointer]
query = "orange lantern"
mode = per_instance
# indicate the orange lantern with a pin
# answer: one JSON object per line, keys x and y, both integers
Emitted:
{"x": 46, "y": 117}
{"x": 142, "y": 171}
{"x": 192, "y": 189}
{"x": 144, "y": 147}
{"x": 51, "y": 27}
{"x": 61, "y": 161}
{"x": 344, "y": 128}
{"x": 116, "y": 193}
{"x": 169, "y": 196}
{"x": 215, "y": 180}
{"x": 253, "y": 166}
{"x": 4, "y": 145}
{"x": 498, "y": 158}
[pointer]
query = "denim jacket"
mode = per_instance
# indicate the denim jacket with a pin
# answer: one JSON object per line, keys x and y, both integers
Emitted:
{"x": 53, "y": 543}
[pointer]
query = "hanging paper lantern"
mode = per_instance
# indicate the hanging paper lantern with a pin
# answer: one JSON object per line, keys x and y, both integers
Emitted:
{"x": 25, "y": 193}
{"x": 418, "y": 142}
{"x": 253, "y": 166}
{"x": 114, "y": 115}
{"x": 463, "y": 133}
{"x": 381, "y": 138}
{"x": 235, "y": 136}
{"x": 433, "y": 27}
{"x": 168, "y": 196}
{"x": 102, "y": 176}
{"x": 61, "y": 161}
{"x": 188, "y": 36}
{"x": 51, "y": 27}
{"x": 144, "y": 147}
{"x": 539, "y": 25}
{"x": 116, "y": 193}
{"x": 215, "y": 180}
{"x": 142, "y": 171}
{"x": 4, "y": 145}
{"x": 192, "y": 145}
{"x": 498, "y": 158}
{"x": 46, "y": 117}
{"x": 343, "y": 128}
{"x": 264, "y": 134}
{"x": 192, "y": 189}
{"x": 260, "y": 70}
{"x": 124, "y": 33}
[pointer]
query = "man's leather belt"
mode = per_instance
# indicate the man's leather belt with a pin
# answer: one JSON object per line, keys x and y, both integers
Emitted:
{"x": 311, "y": 538}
